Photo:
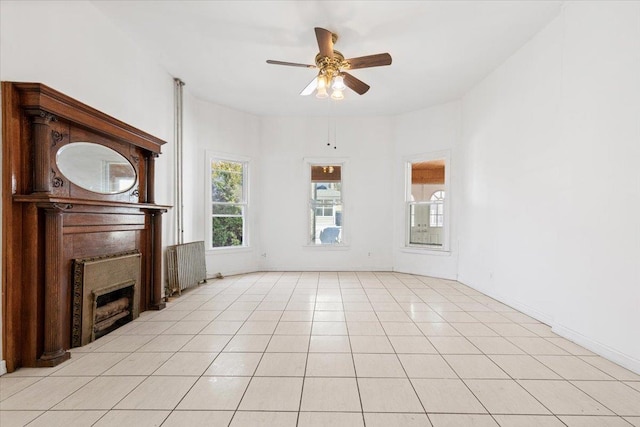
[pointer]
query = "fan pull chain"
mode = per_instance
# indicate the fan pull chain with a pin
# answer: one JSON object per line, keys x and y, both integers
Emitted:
{"x": 329, "y": 108}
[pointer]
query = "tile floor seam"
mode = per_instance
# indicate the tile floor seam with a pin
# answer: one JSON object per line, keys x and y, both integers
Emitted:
{"x": 598, "y": 401}
{"x": 487, "y": 356}
{"x": 200, "y": 376}
{"x": 259, "y": 361}
{"x": 355, "y": 373}
{"x": 384, "y": 292}
{"x": 306, "y": 364}
{"x": 459, "y": 378}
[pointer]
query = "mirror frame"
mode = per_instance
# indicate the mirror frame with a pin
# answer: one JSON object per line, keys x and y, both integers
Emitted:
{"x": 100, "y": 177}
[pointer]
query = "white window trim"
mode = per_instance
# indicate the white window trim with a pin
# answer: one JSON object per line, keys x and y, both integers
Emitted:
{"x": 324, "y": 161}
{"x": 437, "y": 214}
{"x": 425, "y": 157}
{"x": 209, "y": 156}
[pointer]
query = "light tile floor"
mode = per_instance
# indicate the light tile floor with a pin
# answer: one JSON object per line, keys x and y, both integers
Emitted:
{"x": 327, "y": 349}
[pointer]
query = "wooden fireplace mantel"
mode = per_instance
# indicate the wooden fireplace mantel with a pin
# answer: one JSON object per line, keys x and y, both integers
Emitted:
{"x": 48, "y": 220}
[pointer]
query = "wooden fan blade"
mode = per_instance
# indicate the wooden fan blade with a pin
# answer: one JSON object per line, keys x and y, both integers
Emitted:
{"x": 377, "y": 60}
{"x": 355, "y": 84}
{"x": 325, "y": 41}
{"x": 290, "y": 64}
{"x": 310, "y": 87}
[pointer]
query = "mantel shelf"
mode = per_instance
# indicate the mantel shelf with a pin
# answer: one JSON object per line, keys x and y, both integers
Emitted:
{"x": 47, "y": 198}
{"x": 49, "y": 221}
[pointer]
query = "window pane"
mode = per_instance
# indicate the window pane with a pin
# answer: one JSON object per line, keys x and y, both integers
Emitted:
{"x": 326, "y": 205}
{"x": 425, "y": 225}
{"x": 425, "y": 202}
{"x": 227, "y": 181}
{"x": 217, "y": 209}
{"x": 227, "y": 231}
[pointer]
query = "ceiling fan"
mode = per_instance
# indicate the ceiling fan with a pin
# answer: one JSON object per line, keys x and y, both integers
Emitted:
{"x": 332, "y": 68}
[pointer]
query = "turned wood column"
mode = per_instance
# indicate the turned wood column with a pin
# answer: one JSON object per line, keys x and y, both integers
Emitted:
{"x": 156, "y": 255}
{"x": 54, "y": 353}
{"x": 41, "y": 134}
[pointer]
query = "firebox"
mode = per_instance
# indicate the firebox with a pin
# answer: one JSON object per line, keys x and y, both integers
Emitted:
{"x": 106, "y": 295}
{"x": 112, "y": 308}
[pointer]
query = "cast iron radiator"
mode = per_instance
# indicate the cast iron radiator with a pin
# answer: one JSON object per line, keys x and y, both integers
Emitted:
{"x": 185, "y": 266}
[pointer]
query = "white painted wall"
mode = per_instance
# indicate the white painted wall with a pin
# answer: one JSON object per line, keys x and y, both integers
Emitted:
{"x": 600, "y": 109}
{"x": 73, "y": 48}
{"x": 551, "y": 183}
{"x": 530, "y": 146}
{"x": 365, "y": 145}
{"x": 423, "y": 132}
{"x": 210, "y": 127}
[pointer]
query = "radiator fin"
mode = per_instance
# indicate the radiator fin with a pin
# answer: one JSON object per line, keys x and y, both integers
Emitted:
{"x": 185, "y": 266}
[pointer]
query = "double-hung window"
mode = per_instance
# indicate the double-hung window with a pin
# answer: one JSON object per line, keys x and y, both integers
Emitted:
{"x": 325, "y": 204}
{"x": 426, "y": 202}
{"x": 229, "y": 200}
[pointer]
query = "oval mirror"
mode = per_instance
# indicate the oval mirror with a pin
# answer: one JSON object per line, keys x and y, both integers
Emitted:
{"x": 96, "y": 168}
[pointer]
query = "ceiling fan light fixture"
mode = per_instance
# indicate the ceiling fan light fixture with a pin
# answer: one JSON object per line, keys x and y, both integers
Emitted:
{"x": 321, "y": 86}
{"x": 321, "y": 81}
{"x": 322, "y": 92}
{"x": 338, "y": 83}
{"x": 331, "y": 65}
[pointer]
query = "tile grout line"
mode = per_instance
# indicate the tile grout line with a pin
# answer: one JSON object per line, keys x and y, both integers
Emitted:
{"x": 458, "y": 375}
{"x": 306, "y": 363}
{"x": 353, "y": 360}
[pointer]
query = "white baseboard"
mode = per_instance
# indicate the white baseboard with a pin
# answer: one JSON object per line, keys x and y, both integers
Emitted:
{"x": 437, "y": 276}
{"x": 3, "y": 367}
{"x": 603, "y": 350}
{"x": 515, "y": 304}
{"x": 330, "y": 269}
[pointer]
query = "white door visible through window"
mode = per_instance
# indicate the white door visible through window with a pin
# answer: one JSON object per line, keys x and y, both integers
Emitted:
{"x": 426, "y": 202}
{"x": 325, "y": 205}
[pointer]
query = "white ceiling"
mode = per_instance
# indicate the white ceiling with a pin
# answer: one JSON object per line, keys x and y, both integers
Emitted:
{"x": 440, "y": 49}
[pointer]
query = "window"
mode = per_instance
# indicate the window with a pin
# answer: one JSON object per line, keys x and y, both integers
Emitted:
{"x": 426, "y": 203}
{"x": 436, "y": 209}
{"x": 325, "y": 205}
{"x": 228, "y": 203}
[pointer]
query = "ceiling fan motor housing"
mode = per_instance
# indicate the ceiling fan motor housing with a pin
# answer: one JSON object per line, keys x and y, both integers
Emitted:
{"x": 331, "y": 66}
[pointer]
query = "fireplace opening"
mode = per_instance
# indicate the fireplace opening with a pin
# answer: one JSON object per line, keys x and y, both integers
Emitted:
{"x": 106, "y": 295}
{"x": 113, "y": 308}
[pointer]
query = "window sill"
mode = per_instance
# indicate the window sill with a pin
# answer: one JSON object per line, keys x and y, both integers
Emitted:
{"x": 229, "y": 250}
{"x": 425, "y": 251}
{"x": 328, "y": 247}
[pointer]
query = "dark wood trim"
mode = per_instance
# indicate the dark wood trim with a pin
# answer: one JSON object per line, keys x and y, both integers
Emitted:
{"x": 39, "y": 96}
{"x": 53, "y": 351}
{"x": 156, "y": 274}
{"x": 41, "y": 140}
{"x": 12, "y": 156}
{"x": 48, "y": 221}
{"x": 38, "y": 198}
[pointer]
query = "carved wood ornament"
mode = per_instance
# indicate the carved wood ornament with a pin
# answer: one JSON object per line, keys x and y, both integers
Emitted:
{"x": 49, "y": 220}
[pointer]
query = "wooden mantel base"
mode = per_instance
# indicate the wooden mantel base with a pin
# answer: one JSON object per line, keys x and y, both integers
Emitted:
{"x": 158, "y": 306}
{"x": 49, "y": 221}
{"x": 47, "y": 360}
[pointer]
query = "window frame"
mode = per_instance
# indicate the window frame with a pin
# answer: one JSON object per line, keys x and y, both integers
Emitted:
{"x": 325, "y": 161}
{"x": 408, "y": 203}
{"x": 436, "y": 217}
{"x": 210, "y": 157}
